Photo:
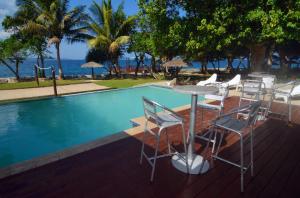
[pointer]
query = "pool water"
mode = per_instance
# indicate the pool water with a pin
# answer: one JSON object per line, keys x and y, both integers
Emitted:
{"x": 35, "y": 128}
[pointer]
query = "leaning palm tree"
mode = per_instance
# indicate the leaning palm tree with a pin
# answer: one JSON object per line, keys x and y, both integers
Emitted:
{"x": 55, "y": 20}
{"x": 109, "y": 29}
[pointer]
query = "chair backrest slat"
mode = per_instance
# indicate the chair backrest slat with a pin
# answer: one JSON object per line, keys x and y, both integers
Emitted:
{"x": 268, "y": 82}
{"x": 251, "y": 88}
{"x": 150, "y": 110}
{"x": 253, "y": 111}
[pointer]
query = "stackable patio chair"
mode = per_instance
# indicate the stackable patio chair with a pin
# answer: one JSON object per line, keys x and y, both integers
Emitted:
{"x": 251, "y": 91}
{"x": 218, "y": 109}
{"x": 286, "y": 95}
{"x": 163, "y": 118}
{"x": 208, "y": 81}
{"x": 268, "y": 87}
{"x": 230, "y": 123}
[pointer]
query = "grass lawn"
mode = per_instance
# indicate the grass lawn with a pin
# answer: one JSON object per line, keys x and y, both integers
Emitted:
{"x": 124, "y": 83}
{"x": 21, "y": 85}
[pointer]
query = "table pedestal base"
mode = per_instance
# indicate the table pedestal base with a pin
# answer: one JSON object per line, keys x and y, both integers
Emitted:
{"x": 194, "y": 164}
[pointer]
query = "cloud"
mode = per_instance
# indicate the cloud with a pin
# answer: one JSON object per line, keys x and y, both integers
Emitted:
{"x": 3, "y": 34}
{"x": 7, "y": 7}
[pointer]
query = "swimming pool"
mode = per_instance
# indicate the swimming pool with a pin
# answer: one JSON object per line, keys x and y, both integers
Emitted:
{"x": 35, "y": 128}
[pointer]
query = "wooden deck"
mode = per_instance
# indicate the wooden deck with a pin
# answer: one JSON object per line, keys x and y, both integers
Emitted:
{"x": 113, "y": 170}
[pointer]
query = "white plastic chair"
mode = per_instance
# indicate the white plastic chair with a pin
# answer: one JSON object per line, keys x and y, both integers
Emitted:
{"x": 234, "y": 82}
{"x": 210, "y": 80}
{"x": 164, "y": 119}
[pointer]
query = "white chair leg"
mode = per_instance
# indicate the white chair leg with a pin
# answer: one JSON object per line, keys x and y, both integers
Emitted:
{"x": 290, "y": 109}
{"x": 220, "y": 141}
{"x": 143, "y": 146}
{"x": 214, "y": 142}
{"x": 155, "y": 157}
{"x": 242, "y": 163}
{"x": 251, "y": 151}
{"x": 206, "y": 152}
{"x": 168, "y": 141}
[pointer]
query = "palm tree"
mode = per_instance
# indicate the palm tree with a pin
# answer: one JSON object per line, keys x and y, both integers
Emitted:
{"x": 109, "y": 29}
{"x": 54, "y": 19}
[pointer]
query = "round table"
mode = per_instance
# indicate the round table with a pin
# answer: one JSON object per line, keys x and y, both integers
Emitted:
{"x": 194, "y": 160}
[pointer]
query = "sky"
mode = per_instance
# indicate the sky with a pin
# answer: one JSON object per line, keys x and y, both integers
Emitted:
{"x": 68, "y": 51}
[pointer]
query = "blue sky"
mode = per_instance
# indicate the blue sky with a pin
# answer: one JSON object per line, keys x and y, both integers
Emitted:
{"x": 68, "y": 51}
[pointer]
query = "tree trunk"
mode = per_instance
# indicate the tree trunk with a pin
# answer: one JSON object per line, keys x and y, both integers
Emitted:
{"x": 214, "y": 66}
{"x": 284, "y": 66}
{"x": 60, "y": 69}
{"x": 138, "y": 63}
{"x": 229, "y": 64}
{"x": 118, "y": 67}
{"x": 42, "y": 65}
{"x": 115, "y": 67}
{"x": 218, "y": 65}
{"x": 17, "y": 70}
{"x": 258, "y": 57}
{"x": 203, "y": 66}
{"x": 93, "y": 76}
{"x": 248, "y": 63}
{"x": 153, "y": 64}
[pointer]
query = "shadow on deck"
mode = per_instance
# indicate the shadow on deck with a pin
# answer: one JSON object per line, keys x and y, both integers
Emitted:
{"x": 113, "y": 170}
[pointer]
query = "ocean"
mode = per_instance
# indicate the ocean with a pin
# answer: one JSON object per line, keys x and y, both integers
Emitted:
{"x": 72, "y": 67}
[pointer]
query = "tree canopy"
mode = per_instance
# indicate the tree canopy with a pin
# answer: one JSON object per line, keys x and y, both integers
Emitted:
{"x": 109, "y": 29}
{"x": 208, "y": 30}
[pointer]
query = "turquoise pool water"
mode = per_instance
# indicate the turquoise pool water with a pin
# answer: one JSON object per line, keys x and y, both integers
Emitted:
{"x": 35, "y": 128}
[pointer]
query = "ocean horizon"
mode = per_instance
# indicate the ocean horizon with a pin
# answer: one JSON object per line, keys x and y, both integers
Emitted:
{"x": 72, "y": 67}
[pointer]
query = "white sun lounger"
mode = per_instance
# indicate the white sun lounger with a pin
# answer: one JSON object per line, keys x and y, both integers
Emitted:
{"x": 235, "y": 82}
{"x": 210, "y": 80}
{"x": 171, "y": 83}
{"x": 288, "y": 93}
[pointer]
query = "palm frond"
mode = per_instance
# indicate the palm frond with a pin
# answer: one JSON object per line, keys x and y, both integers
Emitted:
{"x": 116, "y": 45}
{"x": 126, "y": 26}
{"x": 97, "y": 13}
{"x": 98, "y": 41}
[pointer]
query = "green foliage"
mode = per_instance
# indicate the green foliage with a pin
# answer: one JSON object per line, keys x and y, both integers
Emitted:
{"x": 13, "y": 49}
{"x": 50, "y": 19}
{"x": 109, "y": 29}
{"x": 160, "y": 27}
{"x": 98, "y": 55}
